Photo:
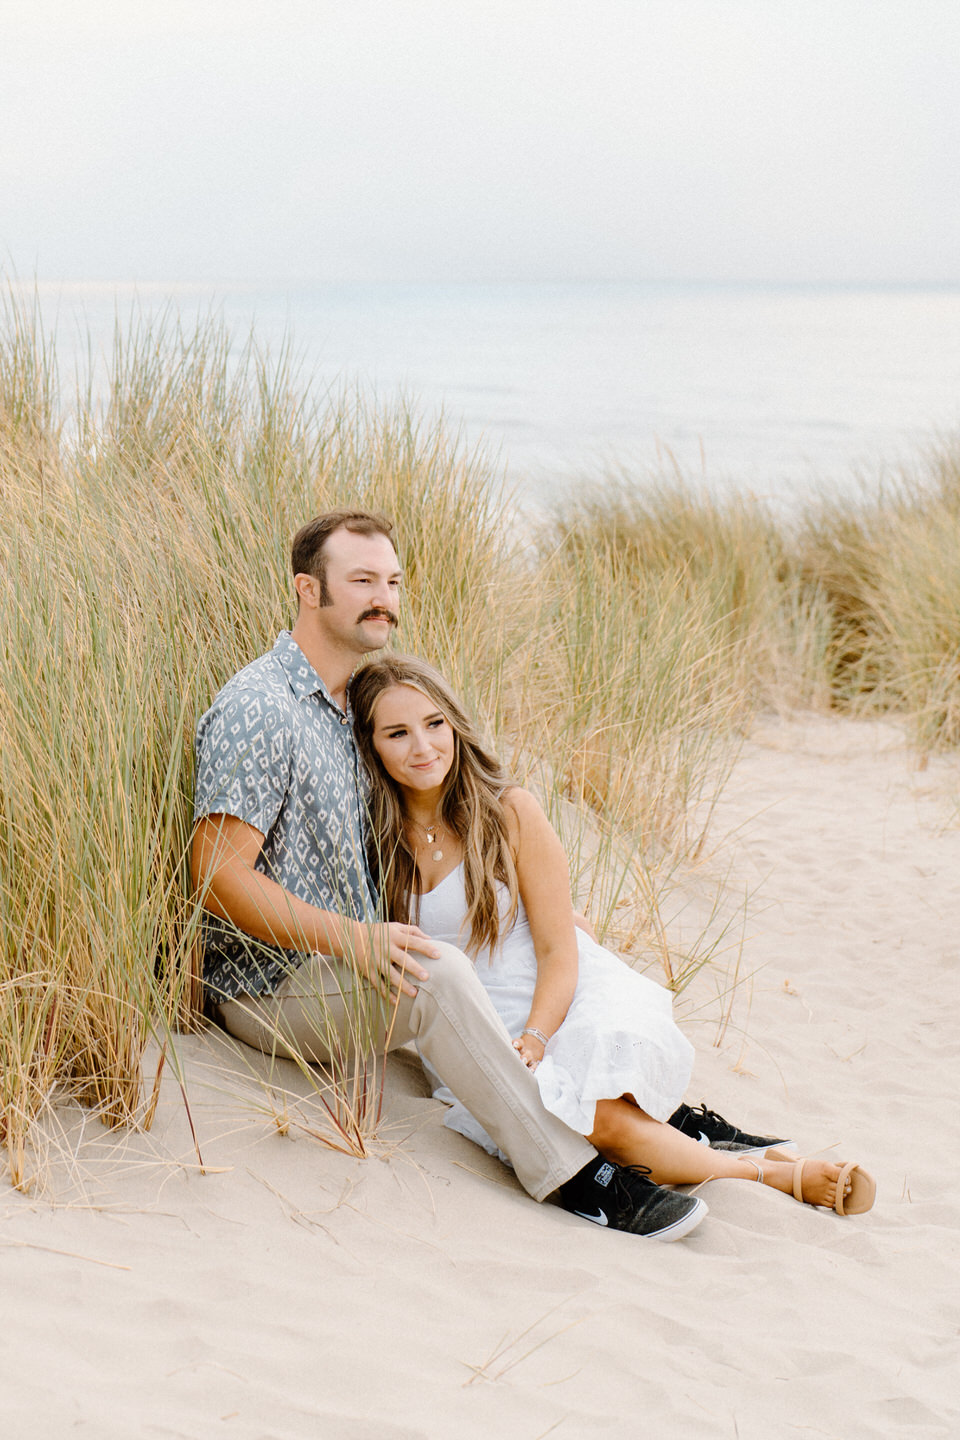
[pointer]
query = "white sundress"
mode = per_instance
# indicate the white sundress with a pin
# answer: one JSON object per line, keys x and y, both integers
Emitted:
{"x": 618, "y": 1037}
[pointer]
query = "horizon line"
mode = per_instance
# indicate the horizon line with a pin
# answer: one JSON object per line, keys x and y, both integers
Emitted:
{"x": 235, "y": 283}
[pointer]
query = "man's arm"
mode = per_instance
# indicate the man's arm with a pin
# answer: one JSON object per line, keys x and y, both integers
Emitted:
{"x": 228, "y": 884}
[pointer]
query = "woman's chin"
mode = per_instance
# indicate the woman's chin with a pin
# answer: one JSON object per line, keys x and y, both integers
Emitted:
{"x": 422, "y": 784}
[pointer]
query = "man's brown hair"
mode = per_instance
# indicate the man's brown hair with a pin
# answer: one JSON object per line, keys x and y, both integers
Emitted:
{"x": 307, "y": 551}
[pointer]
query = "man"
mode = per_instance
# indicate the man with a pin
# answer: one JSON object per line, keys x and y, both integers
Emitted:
{"x": 292, "y": 929}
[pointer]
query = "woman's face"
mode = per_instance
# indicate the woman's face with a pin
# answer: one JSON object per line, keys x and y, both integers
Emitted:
{"x": 413, "y": 738}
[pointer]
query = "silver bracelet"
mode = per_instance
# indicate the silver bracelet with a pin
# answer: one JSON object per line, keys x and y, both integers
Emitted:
{"x": 537, "y": 1034}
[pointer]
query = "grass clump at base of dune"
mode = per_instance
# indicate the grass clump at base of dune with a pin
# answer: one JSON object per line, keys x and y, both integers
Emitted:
{"x": 851, "y": 602}
{"x": 888, "y": 563}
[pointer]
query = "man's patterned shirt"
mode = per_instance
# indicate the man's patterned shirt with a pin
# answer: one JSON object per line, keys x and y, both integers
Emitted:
{"x": 277, "y": 752}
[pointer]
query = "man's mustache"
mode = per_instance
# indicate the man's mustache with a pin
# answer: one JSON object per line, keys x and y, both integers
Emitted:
{"x": 380, "y": 614}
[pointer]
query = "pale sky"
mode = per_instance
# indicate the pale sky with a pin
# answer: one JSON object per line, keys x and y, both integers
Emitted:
{"x": 288, "y": 141}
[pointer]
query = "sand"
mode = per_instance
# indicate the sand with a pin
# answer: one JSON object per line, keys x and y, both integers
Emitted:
{"x": 292, "y": 1292}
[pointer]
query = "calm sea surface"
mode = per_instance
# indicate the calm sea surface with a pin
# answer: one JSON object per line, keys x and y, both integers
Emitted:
{"x": 770, "y": 389}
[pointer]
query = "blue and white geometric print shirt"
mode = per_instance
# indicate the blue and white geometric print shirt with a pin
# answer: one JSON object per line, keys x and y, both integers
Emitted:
{"x": 277, "y": 752}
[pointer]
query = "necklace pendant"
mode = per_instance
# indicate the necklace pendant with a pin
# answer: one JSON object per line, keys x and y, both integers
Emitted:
{"x": 437, "y": 854}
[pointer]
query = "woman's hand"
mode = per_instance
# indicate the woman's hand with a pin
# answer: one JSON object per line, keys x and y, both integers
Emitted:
{"x": 382, "y": 954}
{"x": 530, "y": 1050}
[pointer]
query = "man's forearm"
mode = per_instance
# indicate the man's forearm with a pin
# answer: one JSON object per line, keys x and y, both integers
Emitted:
{"x": 228, "y": 884}
{"x": 264, "y": 909}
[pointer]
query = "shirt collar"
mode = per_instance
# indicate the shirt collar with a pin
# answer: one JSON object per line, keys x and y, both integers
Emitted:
{"x": 301, "y": 676}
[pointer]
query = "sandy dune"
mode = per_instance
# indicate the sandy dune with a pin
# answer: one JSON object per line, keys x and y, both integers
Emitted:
{"x": 297, "y": 1293}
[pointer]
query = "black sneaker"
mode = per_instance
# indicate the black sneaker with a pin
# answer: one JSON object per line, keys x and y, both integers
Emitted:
{"x": 734, "y": 1147}
{"x": 623, "y": 1197}
{"x": 711, "y": 1129}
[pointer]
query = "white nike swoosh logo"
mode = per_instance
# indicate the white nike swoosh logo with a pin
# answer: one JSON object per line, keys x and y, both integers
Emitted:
{"x": 704, "y": 1139}
{"x": 598, "y": 1219}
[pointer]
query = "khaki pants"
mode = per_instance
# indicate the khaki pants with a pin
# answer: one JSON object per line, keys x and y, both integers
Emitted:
{"x": 459, "y": 1034}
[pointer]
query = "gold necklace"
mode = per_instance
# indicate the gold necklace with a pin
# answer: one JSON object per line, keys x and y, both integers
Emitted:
{"x": 431, "y": 832}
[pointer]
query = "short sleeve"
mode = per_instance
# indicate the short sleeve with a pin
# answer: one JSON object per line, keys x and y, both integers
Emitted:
{"x": 243, "y": 759}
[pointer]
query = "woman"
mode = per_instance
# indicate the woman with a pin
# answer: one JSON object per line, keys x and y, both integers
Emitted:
{"x": 472, "y": 859}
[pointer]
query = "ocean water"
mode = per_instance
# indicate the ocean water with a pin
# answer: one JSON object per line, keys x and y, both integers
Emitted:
{"x": 769, "y": 389}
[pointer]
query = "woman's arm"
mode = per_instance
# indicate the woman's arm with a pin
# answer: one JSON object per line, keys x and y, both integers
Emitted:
{"x": 544, "y": 881}
{"x": 582, "y": 923}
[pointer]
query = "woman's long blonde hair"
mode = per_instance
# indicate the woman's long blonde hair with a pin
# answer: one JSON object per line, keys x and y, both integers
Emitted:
{"x": 471, "y": 805}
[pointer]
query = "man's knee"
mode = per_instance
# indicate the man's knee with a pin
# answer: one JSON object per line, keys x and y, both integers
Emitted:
{"x": 451, "y": 973}
{"x": 454, "y": 996}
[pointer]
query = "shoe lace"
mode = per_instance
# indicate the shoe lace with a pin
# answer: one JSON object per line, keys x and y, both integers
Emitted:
{"x": 622, "y": 1185}
{"x": 706, "y": 1114}
{"x": 643, "y": 1170}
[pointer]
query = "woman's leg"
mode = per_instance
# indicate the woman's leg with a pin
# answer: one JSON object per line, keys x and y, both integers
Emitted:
{"x": 629, "y": 1136}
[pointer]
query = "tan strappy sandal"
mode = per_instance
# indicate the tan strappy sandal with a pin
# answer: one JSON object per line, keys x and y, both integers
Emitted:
{"x": 863, "y": 1189}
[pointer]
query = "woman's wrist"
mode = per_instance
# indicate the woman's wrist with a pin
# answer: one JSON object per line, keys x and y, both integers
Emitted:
{"x": 537, "y": 1034}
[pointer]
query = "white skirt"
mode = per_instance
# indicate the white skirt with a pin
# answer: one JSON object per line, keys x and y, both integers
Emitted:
{"x": 618, "y": 1038}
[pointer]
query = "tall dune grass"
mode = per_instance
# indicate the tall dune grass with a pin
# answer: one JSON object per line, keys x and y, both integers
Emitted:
{"x": 888, "y": 564}
{"x": 614, "y": 659}
{"x": 143, "y": 561}
{"x": 850, "y": 604}
{"x": 663, "y": 610}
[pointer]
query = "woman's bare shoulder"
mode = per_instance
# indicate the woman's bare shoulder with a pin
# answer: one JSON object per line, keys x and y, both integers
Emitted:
{"x": 533, "y": 838}
{"x": 524, "y": 810}
{"x": 523, "y": 803}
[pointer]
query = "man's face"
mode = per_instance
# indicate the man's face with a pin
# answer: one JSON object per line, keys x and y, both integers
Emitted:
{"x": 363, "y": 588}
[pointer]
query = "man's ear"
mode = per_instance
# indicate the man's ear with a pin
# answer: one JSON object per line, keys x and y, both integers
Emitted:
{"x": 308, "y": 590}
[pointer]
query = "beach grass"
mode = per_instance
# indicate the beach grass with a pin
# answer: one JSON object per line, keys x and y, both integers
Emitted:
{"x": 887, "y": 563}
{"x": 145, "y": 559}
{"x": 615, "y": 649}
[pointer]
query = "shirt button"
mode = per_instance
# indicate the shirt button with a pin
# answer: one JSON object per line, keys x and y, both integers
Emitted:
{"x": 343, "y": 719}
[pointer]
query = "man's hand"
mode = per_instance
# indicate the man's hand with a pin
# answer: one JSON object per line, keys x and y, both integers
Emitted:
{"x": 382, "y": 954}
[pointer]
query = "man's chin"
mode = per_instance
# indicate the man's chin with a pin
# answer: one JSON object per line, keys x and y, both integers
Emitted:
{"x": 376, "y": 633}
